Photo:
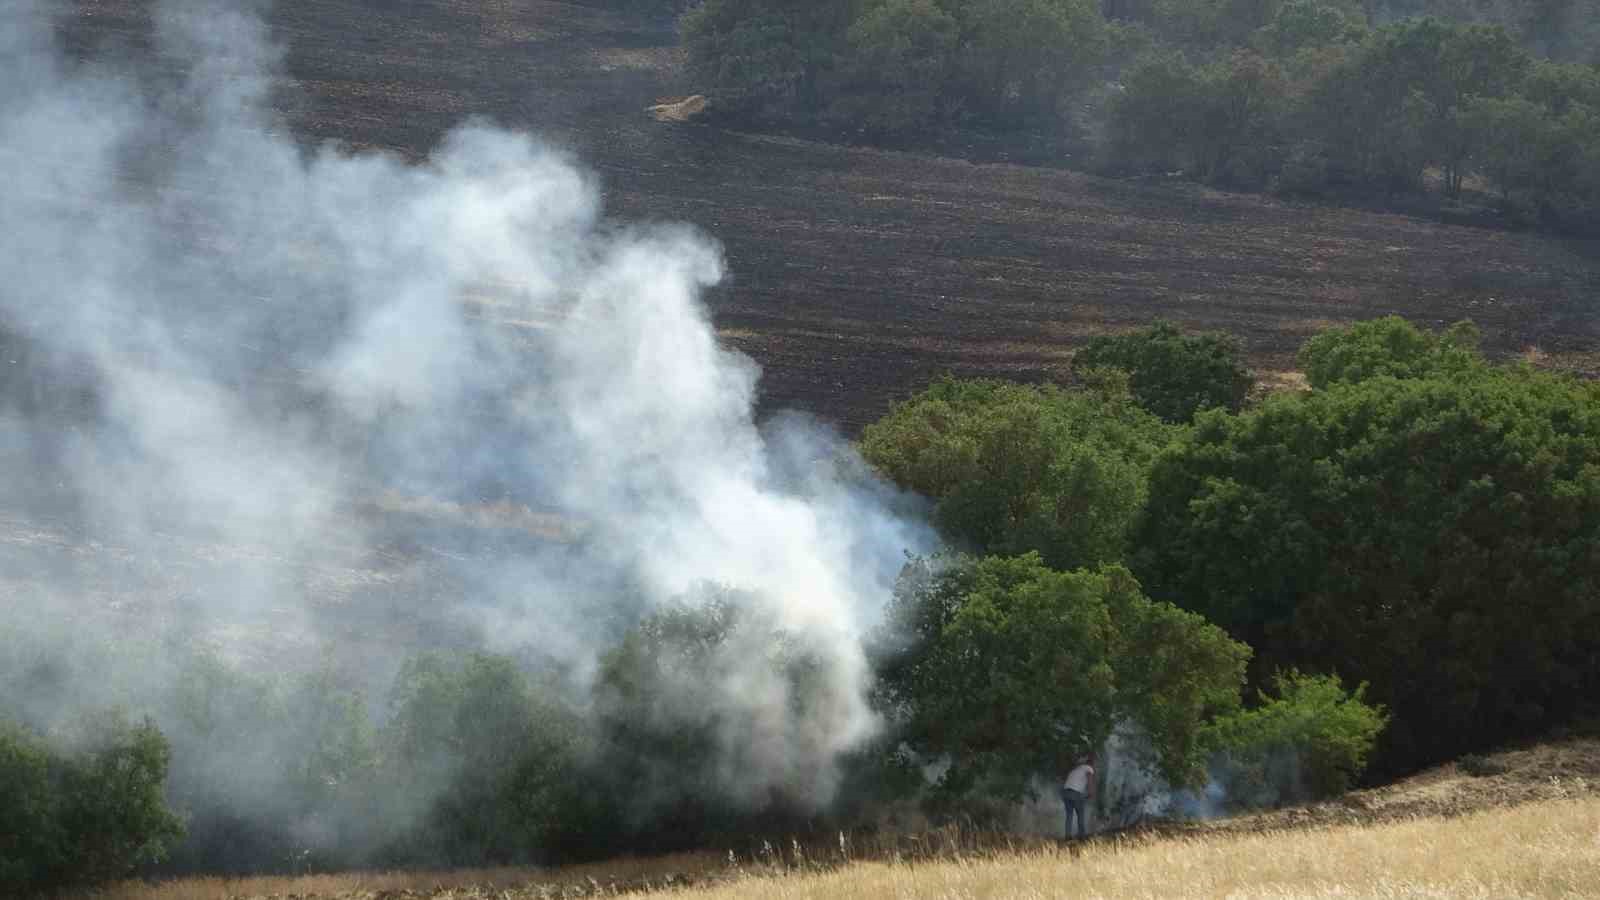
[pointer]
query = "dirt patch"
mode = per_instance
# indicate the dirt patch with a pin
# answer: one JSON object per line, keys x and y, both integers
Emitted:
{"x": 686, "y": 110}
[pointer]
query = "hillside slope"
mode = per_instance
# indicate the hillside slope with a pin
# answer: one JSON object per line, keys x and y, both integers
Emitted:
{"x": 857, "y": 275}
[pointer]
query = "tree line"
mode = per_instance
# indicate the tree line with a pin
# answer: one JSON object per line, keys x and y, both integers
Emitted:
{"x": 1388, "y": 569}
{"x": 1302, "y": 97}
{"x": 1419, "y": 520}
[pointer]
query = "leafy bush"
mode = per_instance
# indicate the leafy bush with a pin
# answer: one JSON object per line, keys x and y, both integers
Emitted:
{"x": 902, "y": 57}
{"x": 894, "y": 66}
{"x": 85, "y": 813}
{"x": 1310, "y": 741}
{"x": 767, "y": 58}
{"x": 1014, "y": 469}
{"x": 1007, "y": 669}
{"x": 32, "y": 841}
{"x": 1172, "y": 374}
{"x": 1388, "y": 346}
{"x": 493, "y": 758}
{"x": 712, "y": 721}
{"x": 1432, "y": 536}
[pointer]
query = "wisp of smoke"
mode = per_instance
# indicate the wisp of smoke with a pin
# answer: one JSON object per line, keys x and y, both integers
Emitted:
{"x": 307, "y": 368}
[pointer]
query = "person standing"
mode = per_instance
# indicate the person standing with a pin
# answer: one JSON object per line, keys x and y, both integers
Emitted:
{"x": 1076, "y": 792}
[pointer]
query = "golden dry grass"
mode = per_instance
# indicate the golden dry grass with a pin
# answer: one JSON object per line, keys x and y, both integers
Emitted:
{"x": 596, "y": 879}
{"x": 1548, "y": 849}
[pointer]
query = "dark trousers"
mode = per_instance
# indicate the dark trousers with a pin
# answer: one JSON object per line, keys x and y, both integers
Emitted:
{"x": 1075, "y": 802}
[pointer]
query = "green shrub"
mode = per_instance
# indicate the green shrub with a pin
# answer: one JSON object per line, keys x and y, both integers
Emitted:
{"x": 1015, "y": 469}
{"x": 1310, "y": 741}
{"x": 32, "y": 845}
{"x": 1172, "y": 374}
{"x": 1388, "y": 346}
{"x": 86, "y": 813}
{"x": 496, "y": 757}
{"x": 1434, "y": 537}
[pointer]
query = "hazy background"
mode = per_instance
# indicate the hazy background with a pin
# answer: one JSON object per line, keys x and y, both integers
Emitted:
{"x": 284, "y": 410}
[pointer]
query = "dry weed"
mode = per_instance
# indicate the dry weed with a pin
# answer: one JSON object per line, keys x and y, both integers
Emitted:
{"x": 1548, "y": 849}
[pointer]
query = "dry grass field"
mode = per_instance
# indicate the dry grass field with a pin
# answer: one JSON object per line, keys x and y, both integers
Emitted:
{"x": 1521, "y": 823}
{"x": 1545, "y": 849}
{"x": 1549, "y": 849}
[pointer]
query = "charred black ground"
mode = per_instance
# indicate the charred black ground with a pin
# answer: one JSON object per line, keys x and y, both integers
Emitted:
{"x": 857, "y": 275}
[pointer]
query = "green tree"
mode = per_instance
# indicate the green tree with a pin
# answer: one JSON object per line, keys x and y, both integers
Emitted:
{"x": 1151, "y": 119}
{"x": 1433, "y": 536}
{"x": 1389, "y": 346}
{"x": 1514, "y": 141}
{"x": 711, "y": 721}
{"x": 495, "y": 756}
{"x": 1023, "y": 58}
{"x": 902, "y": 57}
{"x": 33, "y": 845}
{"x": 767, "y": 57}
{"x": 112, "y": 808}
{"x": 84, "y": 809}
{"x": 1172, "y": 374}
{"x": 1304, "y": 24}
{"x": 1009, "y": 669}
{"x": 1014, "y": 468}
{"x": 1395, "y": 105}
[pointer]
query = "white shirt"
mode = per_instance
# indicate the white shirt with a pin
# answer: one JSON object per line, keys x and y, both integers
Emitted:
{"x": 1078, "y": 779}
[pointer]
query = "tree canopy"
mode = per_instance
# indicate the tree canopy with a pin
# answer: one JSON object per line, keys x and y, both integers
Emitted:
{"x": 1007, "y": 669}
{"x": 1324, "y": 97}
{"x": 1014, "y": 468}
{"x": 1435, "y": 536}
{"x": 1173, "y": 374}
{"x": 84, "y": 810}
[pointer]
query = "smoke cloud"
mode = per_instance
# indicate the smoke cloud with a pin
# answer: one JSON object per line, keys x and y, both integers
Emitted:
{"x": 288, "y": 402}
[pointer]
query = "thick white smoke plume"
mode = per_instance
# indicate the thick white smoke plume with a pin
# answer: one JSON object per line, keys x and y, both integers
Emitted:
{"x": 303, "y": 368}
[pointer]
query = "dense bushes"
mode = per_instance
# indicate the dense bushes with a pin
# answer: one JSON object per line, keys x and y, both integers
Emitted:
{"x": 1388, "y": 346}
{"x": 1420, "y": 520}
{"x": 1310, "y": 741}
{"x": 1007, "y": 669}
{"x": 1016, "y": 468}
{"x": 895, "y": 66}
{"x": 1321, "y": 97}
{"x": 479, "y": 766}
{"x": 1435, "y": 536}
{"x": 83, "y": 809}
{"x": 1316, "y": 103}
{"x": 1172, "y": 374}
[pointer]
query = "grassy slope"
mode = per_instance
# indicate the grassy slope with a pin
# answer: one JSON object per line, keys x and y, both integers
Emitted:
{"x": 1531, "y": 827}
{"x": 1548, "y": 849}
